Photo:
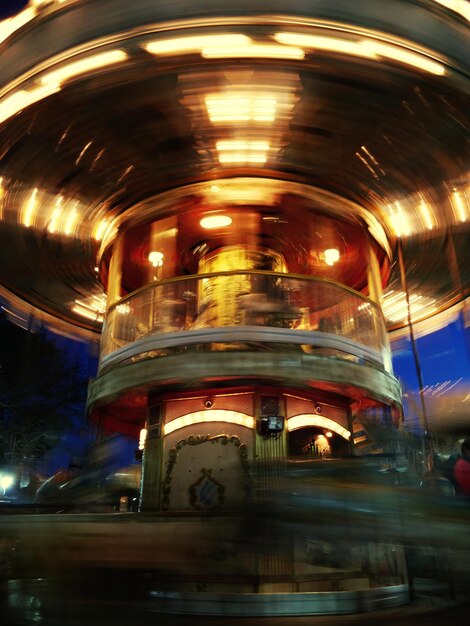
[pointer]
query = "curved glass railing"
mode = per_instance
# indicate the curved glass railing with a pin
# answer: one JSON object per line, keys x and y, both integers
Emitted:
{"x": 236, "y": 310}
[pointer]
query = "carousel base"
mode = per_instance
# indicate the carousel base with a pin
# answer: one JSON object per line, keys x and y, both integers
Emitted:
{"x": 281, "y": 604}
{"x": 201, "y": 565}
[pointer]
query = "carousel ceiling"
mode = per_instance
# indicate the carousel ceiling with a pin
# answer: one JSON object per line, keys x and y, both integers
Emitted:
{"x": 102, "y": 108}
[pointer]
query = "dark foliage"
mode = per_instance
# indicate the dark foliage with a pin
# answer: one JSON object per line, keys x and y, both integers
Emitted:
{"x": 42, "y": 394}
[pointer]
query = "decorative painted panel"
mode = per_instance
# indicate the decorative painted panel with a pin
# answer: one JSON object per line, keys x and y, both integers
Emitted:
{"x": 206, "y": 472}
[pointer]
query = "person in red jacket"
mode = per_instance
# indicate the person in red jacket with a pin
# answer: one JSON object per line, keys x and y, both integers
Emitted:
{"x": 462, "y": 471}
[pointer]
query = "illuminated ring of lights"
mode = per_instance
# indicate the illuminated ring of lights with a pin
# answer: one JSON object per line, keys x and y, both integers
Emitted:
{"x": 310, "y": 419}
{"x": 44, "y": 83}
{"x": 211, "y": 415}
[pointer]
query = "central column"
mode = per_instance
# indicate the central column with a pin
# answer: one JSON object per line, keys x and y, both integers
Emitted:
{"x": 224, "y": 299}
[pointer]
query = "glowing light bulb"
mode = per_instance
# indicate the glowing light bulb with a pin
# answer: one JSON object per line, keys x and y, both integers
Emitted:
{"x": 142, "y": 438}
{"x": 331, "y": 256}
{"x": 6, "y": 481}
{"x": 215, "y": 221}
{"x": 156, "y": 258}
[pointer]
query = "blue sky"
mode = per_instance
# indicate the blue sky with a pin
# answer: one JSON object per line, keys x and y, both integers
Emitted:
{"x": 444, "y": 361}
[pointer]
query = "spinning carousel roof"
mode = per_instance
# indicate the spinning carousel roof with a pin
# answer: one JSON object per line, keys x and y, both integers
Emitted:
{"x": 103, "y": 106}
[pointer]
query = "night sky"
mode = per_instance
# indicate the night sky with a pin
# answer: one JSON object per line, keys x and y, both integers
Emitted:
{"x": 445, "y": 366}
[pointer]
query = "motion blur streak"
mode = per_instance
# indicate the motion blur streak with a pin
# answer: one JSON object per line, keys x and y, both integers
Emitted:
{"x": 367, "y": 48}
{"x": 254, "y": 51}
{"x": 94, "y": 62}
{"x": 19, "y": 100}
{"x": 195, "y": 44}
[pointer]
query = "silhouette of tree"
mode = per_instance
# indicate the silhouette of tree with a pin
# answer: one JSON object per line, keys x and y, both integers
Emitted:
{"x": 42, "y": 394}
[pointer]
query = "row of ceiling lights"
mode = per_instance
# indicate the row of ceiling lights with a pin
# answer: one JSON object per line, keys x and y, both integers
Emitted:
{"x": 395, "y": 306}
{"x": 292, "y": 45}
{"x": 55, "y": 214}
{"x": 62, "y": 216}
{"x": 421, "y": 217}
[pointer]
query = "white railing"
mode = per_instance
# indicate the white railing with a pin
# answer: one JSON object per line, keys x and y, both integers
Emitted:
{"x": 246, "y": 307}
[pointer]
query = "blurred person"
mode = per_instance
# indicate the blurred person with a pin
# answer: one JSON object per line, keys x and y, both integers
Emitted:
{"x": 28, "y": 492}
{"x": 462, "y": 471}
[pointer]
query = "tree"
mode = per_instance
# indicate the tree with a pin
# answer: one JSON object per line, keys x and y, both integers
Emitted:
{"x": 42, "y": 394}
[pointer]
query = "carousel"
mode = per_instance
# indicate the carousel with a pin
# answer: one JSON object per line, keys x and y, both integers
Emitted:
{"x": 239, "y": 203}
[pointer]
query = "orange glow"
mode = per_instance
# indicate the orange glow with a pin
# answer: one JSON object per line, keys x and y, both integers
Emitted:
{"x": 399, "y": 220}
{"x": 70, "y": 222}
{"x": 99, "y": 229}
{"x": 55, "y": 215}
{"x": 91, "y": 315}
{"x": 426, "y": 214}
{"x": 30, "y": 209}
{"x": 395, "y": 306}
{"x": 92, "y": 307}
{"x": 458, "y": 204}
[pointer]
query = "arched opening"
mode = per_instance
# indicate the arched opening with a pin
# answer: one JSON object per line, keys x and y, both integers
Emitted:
{"x": 209, "y": 416}
{"x": 318, "y": 437}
